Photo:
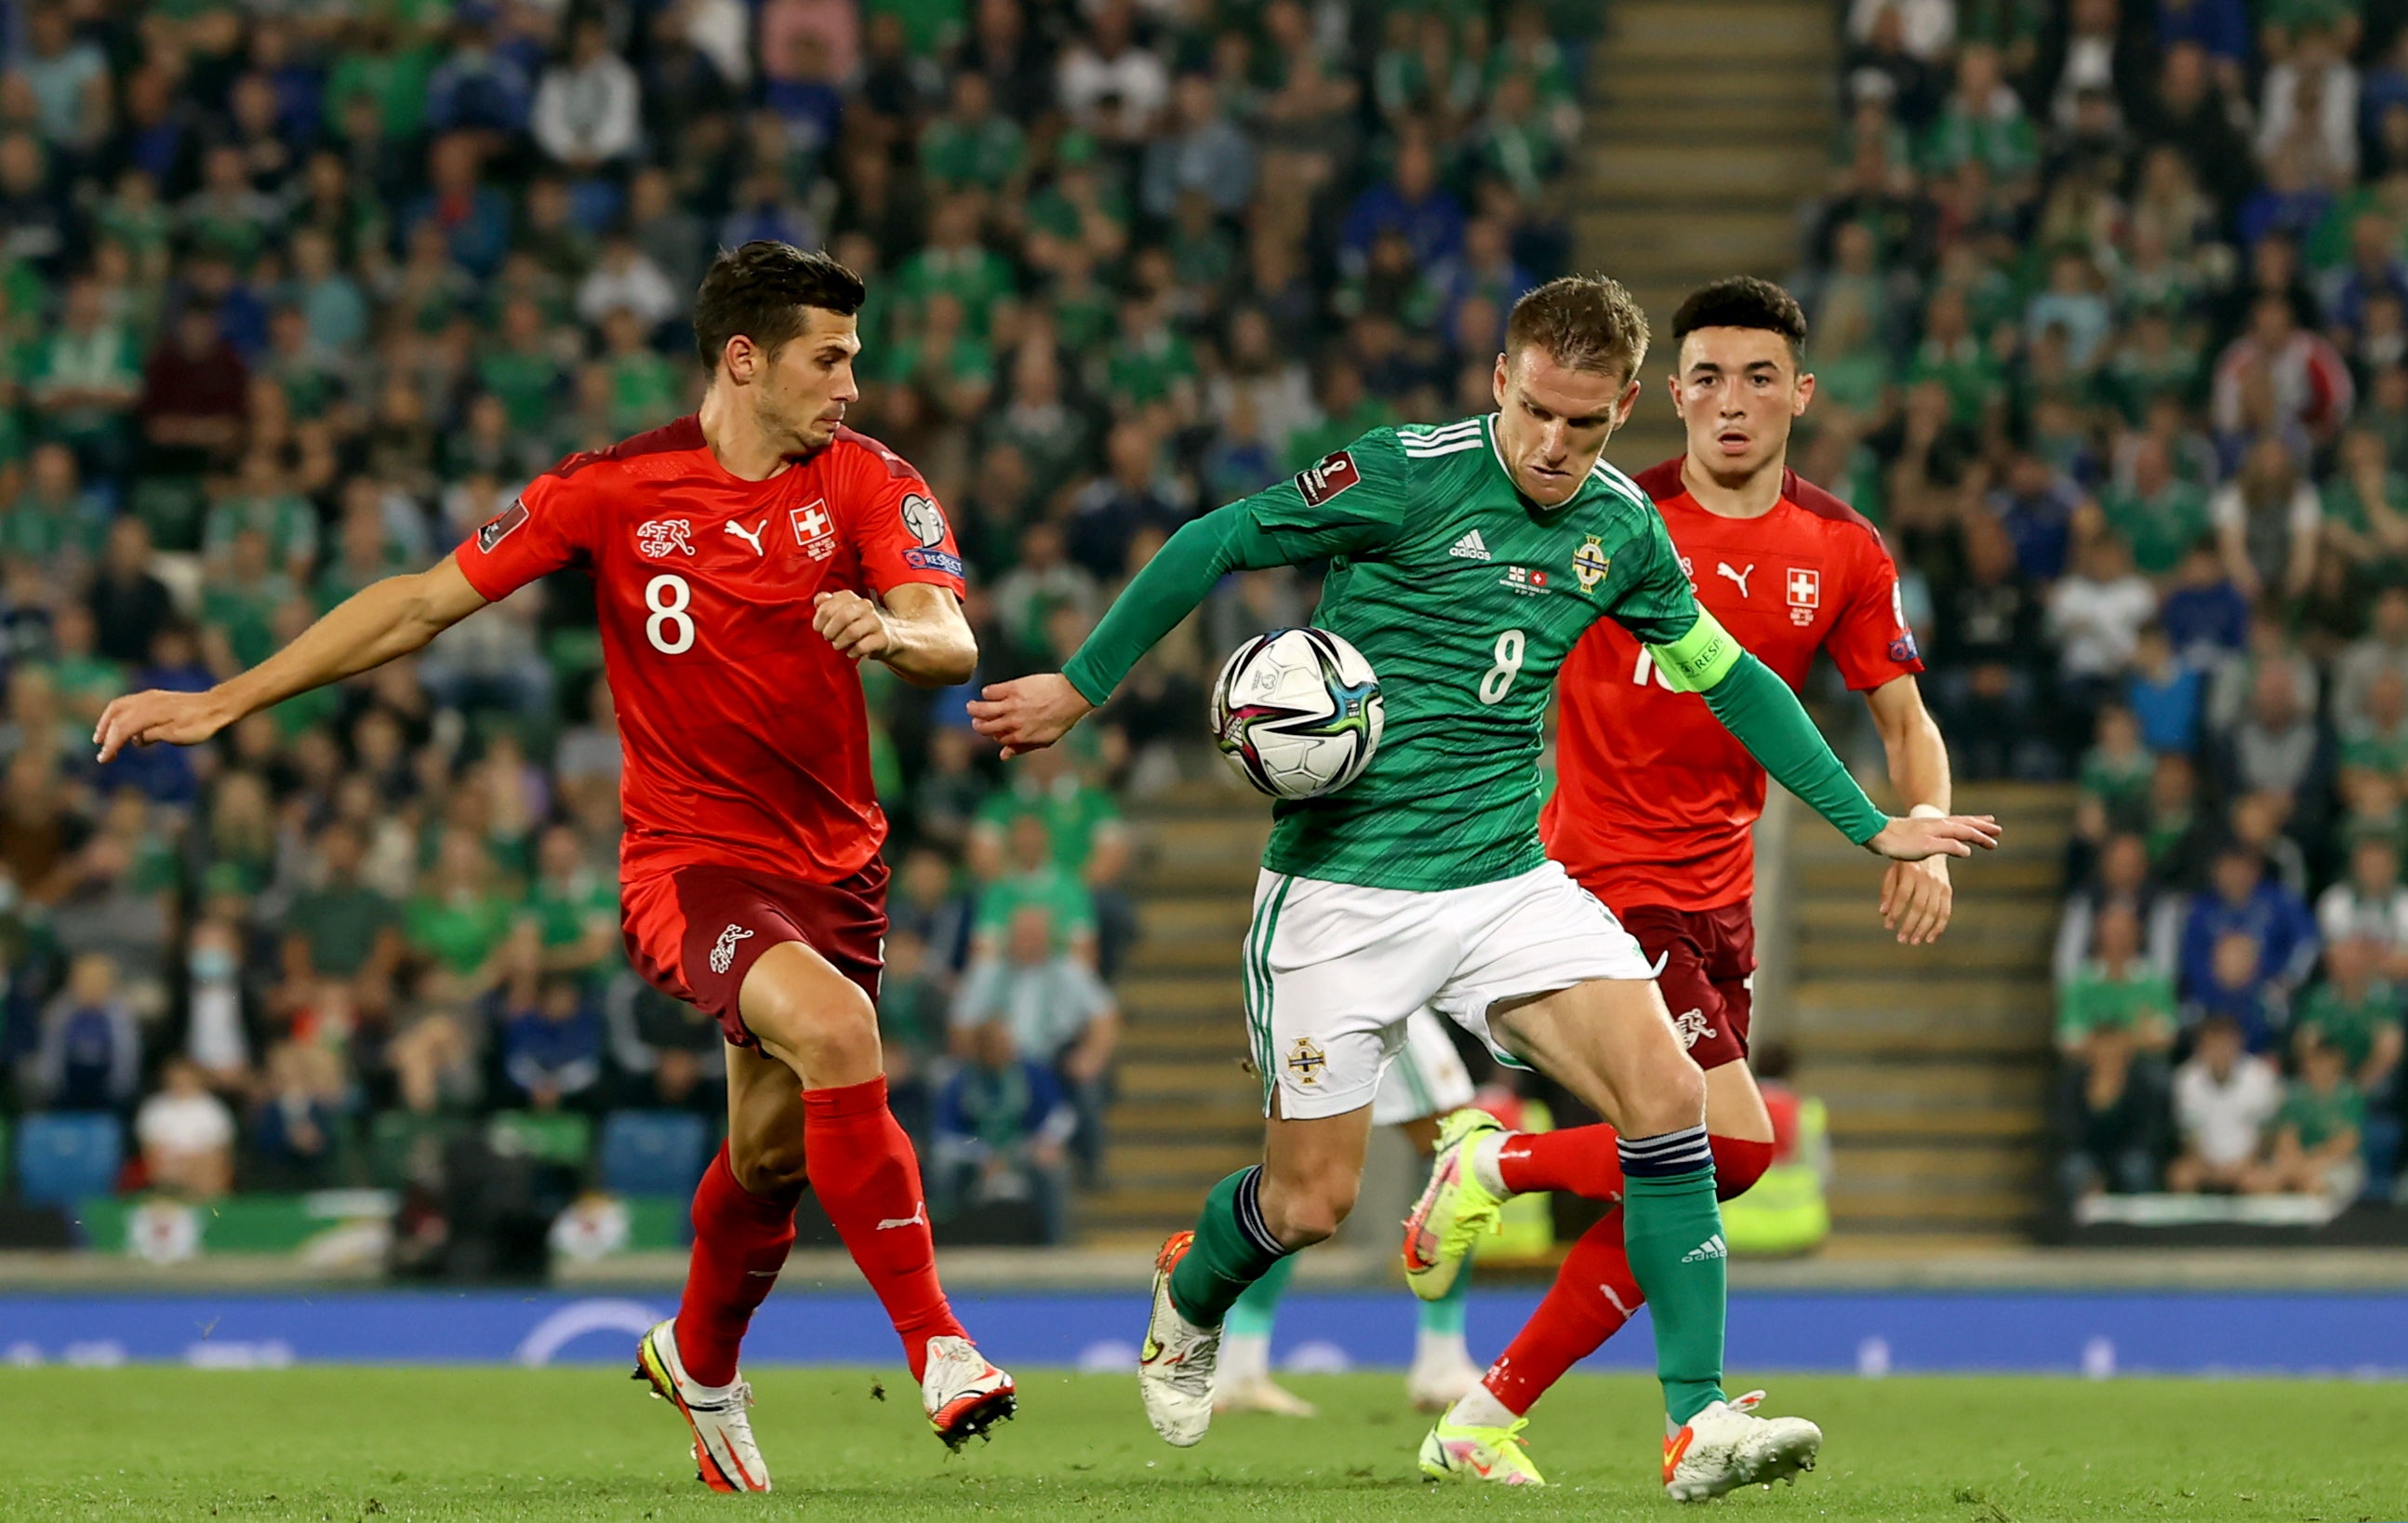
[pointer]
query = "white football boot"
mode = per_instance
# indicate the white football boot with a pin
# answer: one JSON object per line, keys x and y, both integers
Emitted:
{"x": 964, "y": 1395}
{"x": 1174, "y": 1365}
{"x": 1726, "y": 1446}
{"x": 725, "y": 1458}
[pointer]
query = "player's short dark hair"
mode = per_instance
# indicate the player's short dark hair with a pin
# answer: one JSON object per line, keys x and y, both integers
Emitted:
{"x": 1743, "y": 301}
{"x": 1584, "y": 322}
{"x": 760, "y": 291}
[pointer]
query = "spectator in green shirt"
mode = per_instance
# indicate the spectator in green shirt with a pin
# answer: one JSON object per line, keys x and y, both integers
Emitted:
{"x": 645, "y": 388}
{"x": 523, "y": 368}
{"x": 972, "y": 148}
{"x": 455, "y": 926}
{"x": 240, "y": 600}
{"x": 341, "y": 928}
{"x": 955, "y": 261}
{"x": 85, "y": 678}
{"x": 2114, "y": 783}
{"x": 2158, "y": 514}
{"x": 1089, "y": 839}
{"x": 53, "y": 521}
{"x": 88, "y": 377}
{"x": 576, "y": 910}
{"x": 262, "y": 500}
{"x": 2366, "y": 510}
{"x": 2357, "y": 1014}
{"x": 1029, "y": 874}
{"x": 2119, "y": 990}
{"x": 2114, "y": 1022}
{"x": 2312, "y": 1149}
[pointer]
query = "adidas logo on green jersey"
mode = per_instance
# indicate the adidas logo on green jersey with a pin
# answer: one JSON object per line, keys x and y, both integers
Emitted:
{"x": 1470, "y": 547}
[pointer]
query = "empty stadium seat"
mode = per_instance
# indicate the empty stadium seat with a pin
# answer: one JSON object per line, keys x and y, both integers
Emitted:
{"x": 404, "y": 1146}
{"x": 654, "y": 1152}
{"x": 557, "y": 1136}
{"x": 67, "y": 1155}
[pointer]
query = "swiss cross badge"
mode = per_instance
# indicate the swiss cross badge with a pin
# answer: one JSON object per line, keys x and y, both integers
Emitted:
{"x": 1805, "y": 585}
{"x": 814, "y": 530}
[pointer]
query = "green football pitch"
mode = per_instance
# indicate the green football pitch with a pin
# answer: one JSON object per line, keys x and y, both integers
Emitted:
{"x": 344, "y": 1445}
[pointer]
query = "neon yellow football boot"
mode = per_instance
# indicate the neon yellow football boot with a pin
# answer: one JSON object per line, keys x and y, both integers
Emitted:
{"x": 1455, "y": 1210}
{"x": 1459, "y": 1451}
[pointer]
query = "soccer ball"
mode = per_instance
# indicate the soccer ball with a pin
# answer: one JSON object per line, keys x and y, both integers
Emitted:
{"x": 1298, "y": 713}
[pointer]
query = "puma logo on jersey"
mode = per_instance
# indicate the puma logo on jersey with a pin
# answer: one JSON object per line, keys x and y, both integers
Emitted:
{"x": 919, "y": 1217}
{"x": 723, "y": 956}
{"x": 1691, "y": 1025}
{"x": 1470, "y": 547}
{"x": 1723, "y": 568}
{"x": 751, "y": 537}
{"x": 664, "y": 536}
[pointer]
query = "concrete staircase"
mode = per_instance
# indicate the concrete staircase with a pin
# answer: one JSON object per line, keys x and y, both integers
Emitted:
{"x": 1934, "y": 1060}
{"x": 1697, "y": 156}
{"x": 1187, "y": 1111}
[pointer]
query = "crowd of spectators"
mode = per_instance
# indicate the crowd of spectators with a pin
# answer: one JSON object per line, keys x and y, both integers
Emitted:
{"x": 2107, "y": 302}
{"x": 293, "y": 296}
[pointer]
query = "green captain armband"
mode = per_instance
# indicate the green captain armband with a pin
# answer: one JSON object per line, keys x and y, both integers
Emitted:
{"x": 1700, "y": 659}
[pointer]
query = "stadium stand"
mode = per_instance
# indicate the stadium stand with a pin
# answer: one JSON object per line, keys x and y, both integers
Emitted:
{"x": 2107, "y": 301}
{"x": 292, "y": 297}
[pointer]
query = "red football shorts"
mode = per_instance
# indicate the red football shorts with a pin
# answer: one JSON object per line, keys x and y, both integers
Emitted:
{"x": 1708, "y": 974}
{"x": 695, "y": 932}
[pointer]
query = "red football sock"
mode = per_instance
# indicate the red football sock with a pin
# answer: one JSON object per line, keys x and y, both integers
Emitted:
{"x": 1583, "y": 1160}
{"x": 739, "y": 1243}
{"x": 868, "y": 1178}
{"x": 1738, "y": 1164}
{"x": 1594, "y": 1293}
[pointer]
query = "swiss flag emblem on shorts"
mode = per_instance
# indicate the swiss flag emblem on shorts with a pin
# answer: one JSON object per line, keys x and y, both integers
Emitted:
{"x": 1333, "y": 475}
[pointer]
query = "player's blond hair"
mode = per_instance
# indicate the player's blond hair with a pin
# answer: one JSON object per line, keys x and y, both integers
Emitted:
{"x": 1584, "y": 322}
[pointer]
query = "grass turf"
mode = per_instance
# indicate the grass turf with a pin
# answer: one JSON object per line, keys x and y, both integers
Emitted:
{"x": 345, "y": 1445}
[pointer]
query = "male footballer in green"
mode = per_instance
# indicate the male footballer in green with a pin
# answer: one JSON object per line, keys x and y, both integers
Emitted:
{"x": 1465, "y": 561}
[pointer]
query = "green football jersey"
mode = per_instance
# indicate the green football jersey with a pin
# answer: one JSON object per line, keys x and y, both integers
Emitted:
{"x": 1464, "y": 596}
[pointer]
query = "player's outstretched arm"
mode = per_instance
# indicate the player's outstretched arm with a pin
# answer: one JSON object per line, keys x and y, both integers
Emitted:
{"x": 1033, "y": 712}
{"x": 1916, "y": 898}
{"x": 381, "y": 620}
{"x": 919, "y": 632}
{"x": 1759, "y": 709}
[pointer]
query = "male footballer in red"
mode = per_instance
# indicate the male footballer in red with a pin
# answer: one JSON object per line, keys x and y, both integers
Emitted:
{"x": 746, "y": 560}
{"x": 1655, "y": 801}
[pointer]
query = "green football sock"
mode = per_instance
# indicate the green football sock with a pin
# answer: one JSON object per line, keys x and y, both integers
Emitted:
{"x": 1443, "y": 1318}
{"x": 1233, "y": 1248}
{"x": 1673, "y": 1232}
{"x": 1253, "y": 1313}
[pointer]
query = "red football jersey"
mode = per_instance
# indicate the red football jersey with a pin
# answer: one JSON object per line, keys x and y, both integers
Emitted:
{"x": 746, "y": 736}
{"x": 1654, "y": 798}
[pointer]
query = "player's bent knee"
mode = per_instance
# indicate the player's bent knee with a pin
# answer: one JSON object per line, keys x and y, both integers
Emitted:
{"x": 770, "y": 1168}
{"x": 1671, "y": 1096}
{"x": 1300, "y": 1216}
{"x": 806, "y": 1013}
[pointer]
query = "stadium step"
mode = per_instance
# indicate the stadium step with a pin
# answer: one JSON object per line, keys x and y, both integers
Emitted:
{"x": 1934, "y": 1062}
{"x": 1215, "y": 918}
{"x": 1703, "y": 33}
{"x": 1187, "y": 1110}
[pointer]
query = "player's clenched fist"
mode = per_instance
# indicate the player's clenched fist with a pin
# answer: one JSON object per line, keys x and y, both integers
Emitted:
{"x": 141, "y": 719}
{"x": 1028, "y": 714}
{"x": 855, "y": 625}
